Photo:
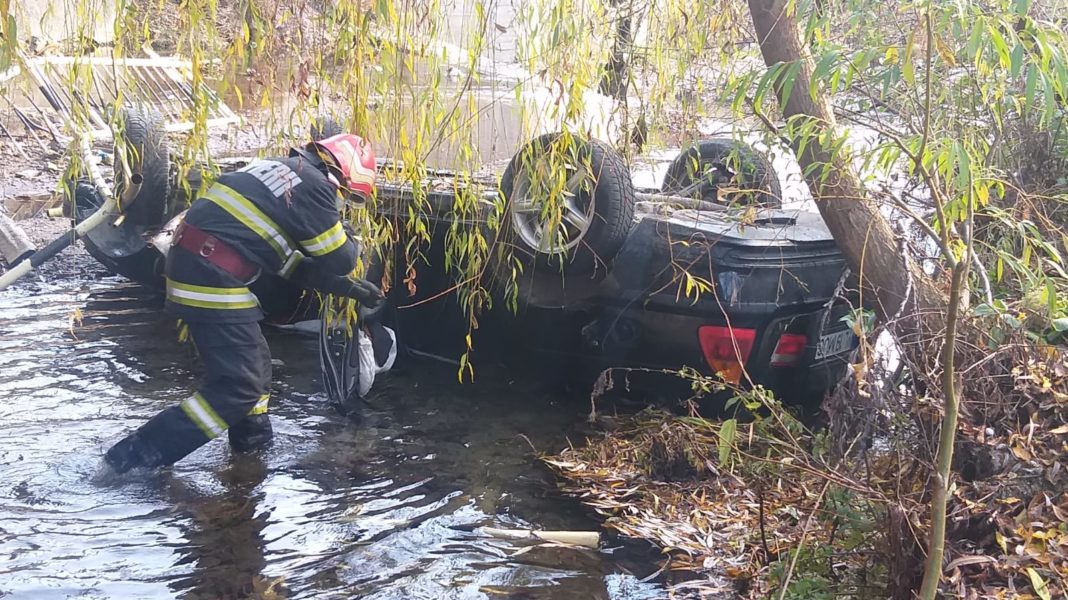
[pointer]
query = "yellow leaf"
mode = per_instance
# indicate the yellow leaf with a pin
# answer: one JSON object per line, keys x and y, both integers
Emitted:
{"x": 890, "y": 57}
{"x": 1001, "y": 542}
{"x": 1022, "y": 453}
{"x": 1040, "y": 586}
{"x": 945, "y": 52}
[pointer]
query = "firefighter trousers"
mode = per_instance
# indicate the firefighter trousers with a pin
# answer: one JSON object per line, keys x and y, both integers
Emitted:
{"x": 235, "y": 392}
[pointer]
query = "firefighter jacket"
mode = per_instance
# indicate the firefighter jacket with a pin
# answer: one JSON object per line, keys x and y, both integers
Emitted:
{"x": 281, "y": 215}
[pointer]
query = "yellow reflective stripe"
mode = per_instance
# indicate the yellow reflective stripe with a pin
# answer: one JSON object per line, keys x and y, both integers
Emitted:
{"x": 202, "y": 296}
{"x": 261, "y": 405}
{"x": 291, "y": 264}
{"x": 244, "y": 211}
{"x": 203, "y": 415}
{"x": 207, "y": 289}
{"x": 209, "y": 304}
{"x": 326, "y": 242}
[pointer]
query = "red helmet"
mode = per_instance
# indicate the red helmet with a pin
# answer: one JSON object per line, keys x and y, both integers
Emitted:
{"x": 354, "y": 162}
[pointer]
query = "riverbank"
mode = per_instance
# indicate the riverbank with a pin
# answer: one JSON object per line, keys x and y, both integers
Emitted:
{"x": 774, "y": 508}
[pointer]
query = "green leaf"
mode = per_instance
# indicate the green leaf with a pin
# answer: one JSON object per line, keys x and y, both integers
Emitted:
{"x": 1060, "y": 325}
{"x": 1050, "y": 98}
{"x": 10, "y": 42}
{"x": 825, "y": 65}
{"x": 1020, "y": 7}
{"x": 1029, "y": 89}
{"x": 727, "y": 433}
{"x": 1040, "y": 586}
{"x": 1016, "y": 60}
{"x": 1011, "y": 321}
{"x": 789, "y": 80}
{"x": 908, "y": 72}
{"x": 1000, "y": 46}
{"x": 974, "y": 46}
{"x": 964, "y": 166}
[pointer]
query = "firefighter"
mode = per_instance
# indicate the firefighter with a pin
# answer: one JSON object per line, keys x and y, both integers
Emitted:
{"x": 278, "y": 216}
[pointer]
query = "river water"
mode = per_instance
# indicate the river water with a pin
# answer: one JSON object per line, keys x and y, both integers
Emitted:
{"x": 383, "y": 508}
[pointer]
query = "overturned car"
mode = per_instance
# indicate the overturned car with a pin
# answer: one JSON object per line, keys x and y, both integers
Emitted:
{"x": 707, "y": 272}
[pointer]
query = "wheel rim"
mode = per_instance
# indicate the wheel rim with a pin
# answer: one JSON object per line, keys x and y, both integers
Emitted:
{"x": 545, "y": 228}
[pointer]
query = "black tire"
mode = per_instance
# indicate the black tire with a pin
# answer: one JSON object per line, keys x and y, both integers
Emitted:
{"x": 608, "y": 199}
{"x": 147, "y": 154}
{"x": 324, "y": 127}
{"x": 565, "y": 280}
{"x": 723, "y": 163}
{"x": 123, "y": 249}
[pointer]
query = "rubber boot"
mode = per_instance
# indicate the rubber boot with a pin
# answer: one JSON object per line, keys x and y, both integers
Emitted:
{"x": 251, "y": 433}
{"x": 132, "y": 452}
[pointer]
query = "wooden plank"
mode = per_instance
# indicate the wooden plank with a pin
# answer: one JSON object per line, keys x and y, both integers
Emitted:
{"x": 188, "y": 126}
{"x": 27, "y": 206}
{"x": 163, "y": 61}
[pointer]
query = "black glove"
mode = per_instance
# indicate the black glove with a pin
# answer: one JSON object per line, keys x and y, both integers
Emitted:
{"x": 369, "y": 311}
{"x": 366, "y": 292}
{"x": 371, "y": 298}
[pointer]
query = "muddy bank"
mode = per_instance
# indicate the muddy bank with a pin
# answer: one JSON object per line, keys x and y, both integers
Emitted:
{"x": 766, "y": 503}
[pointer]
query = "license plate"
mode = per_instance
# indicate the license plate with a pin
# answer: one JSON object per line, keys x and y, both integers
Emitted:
{"x": 835, "y": 343}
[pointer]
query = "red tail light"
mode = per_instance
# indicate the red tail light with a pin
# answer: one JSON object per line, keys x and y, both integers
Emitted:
{"x": 789, "y": 350}
{"x": 726, "y": 349}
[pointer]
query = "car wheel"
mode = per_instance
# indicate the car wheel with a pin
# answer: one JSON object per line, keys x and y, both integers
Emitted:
{"x": 569, "y": 206}
{"x": 324, "y": 127}
{"x": 122, "y": 248}
{"x": 569, "y": 203}
{"x": 724, "y": 171}
{"x": 146, "y": 152}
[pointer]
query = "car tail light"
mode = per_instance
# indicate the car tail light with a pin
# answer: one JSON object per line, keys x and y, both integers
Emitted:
{"x": 726, "y": 349}
{"x": 789, "y": 350}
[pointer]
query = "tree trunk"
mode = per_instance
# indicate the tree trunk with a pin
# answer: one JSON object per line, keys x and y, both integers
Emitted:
{"x": 888, "y": 277}
{"x": 862, "y": 234}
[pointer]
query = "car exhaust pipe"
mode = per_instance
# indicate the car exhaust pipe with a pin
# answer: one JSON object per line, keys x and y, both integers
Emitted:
{"x": 109, "y": 209}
